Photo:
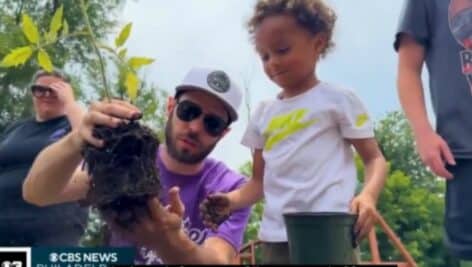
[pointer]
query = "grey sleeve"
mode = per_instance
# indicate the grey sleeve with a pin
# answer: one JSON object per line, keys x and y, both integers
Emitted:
{"x": 414, "y": 21}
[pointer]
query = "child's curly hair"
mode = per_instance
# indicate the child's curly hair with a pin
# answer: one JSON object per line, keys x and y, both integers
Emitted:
{"x": 313, "y": 15}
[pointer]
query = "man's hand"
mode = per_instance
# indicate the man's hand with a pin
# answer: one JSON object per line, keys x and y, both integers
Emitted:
{"x": 215, "y": 209}
{"x": 159, "y": 225}
{"x": 107, "y": 113}
{"x": 435, "y": 153}
{"x": 365, "y": 207}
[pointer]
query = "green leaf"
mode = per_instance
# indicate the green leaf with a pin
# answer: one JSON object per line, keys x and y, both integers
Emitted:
{"x": 131, "y": 84}
{"x": 137, "y": 62}
{"x": 151, "y": 108}
{"x": 29, "y": 29}
{"x": 122, "y": 53}
{"x": 123, "y": 36}
{"x": 65, "y": 28}
{"x": 49, "y": 37}
{"x": 44, "y": 61}
{"x": 17, "y": 56}
{"x": 56, "y": 23}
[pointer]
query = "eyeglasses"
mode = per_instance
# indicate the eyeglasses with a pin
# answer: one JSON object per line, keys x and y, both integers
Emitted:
{"x": 188, "y": 111}
{"x": 40, "y": 91}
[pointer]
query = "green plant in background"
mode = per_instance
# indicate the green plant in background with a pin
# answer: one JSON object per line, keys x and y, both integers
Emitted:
{"x": 74, "y": 55}
{"x": 59, "y": 30}
{"x": 127, "y": 85}
{"x": 37, "y": 42}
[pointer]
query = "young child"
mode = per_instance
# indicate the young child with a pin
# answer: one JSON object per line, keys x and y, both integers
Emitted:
{"x": 302, "y": 140}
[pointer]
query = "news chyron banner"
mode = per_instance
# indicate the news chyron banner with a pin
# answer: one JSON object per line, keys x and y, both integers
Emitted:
{"x": 92, "y": 257}
{"x": 65, "y": 257}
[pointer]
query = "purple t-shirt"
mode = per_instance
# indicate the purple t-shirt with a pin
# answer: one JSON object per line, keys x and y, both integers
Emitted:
{"x": 214, "y": 177}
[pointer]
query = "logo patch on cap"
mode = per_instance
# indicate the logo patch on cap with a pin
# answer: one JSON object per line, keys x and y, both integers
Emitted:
{"x": 218, "y": 81}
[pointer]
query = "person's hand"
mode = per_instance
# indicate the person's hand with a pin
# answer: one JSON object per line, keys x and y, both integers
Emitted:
{"x": 364, "y": 206}
{"x": 435, "y": 153}
{"x": 106, "y": 113}
{"x": 215, "y": 209}
{"x": 64, "y": 92}
{"x": 157, "y": 225}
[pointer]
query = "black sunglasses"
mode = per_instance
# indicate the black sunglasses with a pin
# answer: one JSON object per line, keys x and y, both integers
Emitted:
{"x": 42, "y": 91}
{"x": 188, "y": 111}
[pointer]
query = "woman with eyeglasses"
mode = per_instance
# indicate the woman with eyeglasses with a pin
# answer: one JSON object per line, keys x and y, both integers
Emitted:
{"x": 56, "y": 113}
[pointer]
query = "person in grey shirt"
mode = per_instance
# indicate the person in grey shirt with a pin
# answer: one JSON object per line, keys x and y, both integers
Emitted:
{"x": 439, "y": 33}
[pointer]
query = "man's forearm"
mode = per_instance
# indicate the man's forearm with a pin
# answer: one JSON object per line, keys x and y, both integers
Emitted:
{"x": 52, "y": 170}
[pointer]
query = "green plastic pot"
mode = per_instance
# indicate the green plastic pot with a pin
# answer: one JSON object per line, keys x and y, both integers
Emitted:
{"x": 321, "y": 237}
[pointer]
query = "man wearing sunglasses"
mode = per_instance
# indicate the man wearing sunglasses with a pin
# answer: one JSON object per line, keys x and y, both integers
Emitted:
{"x": 199, "y": 115}
{"x": 23, "y": 224}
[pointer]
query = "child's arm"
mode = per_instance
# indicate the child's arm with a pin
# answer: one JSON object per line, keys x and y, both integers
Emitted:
{"x": 252, "y": 191}
{"x": 216, "y": 208}
{"x": 375, "y": 167}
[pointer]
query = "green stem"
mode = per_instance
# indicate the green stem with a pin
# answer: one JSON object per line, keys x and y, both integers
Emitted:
{"x": 114, "y": 53}
{"x": 120, "y": 61}
{"x": 97, "y": 51}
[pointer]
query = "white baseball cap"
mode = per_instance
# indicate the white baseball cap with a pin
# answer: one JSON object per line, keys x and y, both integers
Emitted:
{"x": 215, "y": 82}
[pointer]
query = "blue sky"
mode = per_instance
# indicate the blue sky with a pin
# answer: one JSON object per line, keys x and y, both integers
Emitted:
{"x": 180, "y": 34}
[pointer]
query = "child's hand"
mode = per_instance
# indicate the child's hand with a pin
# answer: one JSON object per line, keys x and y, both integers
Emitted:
{"x": 364, "y": 206}
{"x": 215, "y": 209}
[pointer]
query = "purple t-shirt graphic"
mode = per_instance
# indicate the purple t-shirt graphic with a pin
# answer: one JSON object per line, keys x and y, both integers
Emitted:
{"x": 214, "y": 177}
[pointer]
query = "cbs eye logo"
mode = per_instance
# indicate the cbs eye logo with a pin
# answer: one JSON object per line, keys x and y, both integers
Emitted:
{"x": 15, "y": 257}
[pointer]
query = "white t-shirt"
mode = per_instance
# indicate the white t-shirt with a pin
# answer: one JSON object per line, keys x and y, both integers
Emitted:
{"x": 309, "y": 165}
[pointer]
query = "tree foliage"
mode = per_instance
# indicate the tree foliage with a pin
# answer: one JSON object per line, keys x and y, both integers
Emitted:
{"x": 398, "y": 145}
{"x": 33, "y": 30}
{"x": 76, "y": 53}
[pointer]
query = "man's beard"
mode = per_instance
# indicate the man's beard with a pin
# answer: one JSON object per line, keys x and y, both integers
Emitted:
{"x": 184, "y": 155}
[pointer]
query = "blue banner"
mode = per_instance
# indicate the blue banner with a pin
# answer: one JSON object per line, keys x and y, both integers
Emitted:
{"x": 81, "y": 257}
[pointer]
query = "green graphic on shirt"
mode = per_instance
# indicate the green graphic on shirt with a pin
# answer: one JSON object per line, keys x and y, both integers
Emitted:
{"x": 361, "y": 119}
{"x": 285, "y": 125}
